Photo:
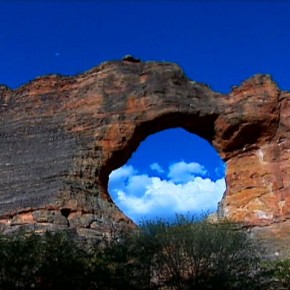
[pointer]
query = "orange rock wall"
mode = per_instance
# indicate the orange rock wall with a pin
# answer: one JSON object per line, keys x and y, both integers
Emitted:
{"x": 60, "y": 138}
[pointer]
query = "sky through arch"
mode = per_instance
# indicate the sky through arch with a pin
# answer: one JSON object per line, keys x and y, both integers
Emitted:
{"x": 171, "y": 172}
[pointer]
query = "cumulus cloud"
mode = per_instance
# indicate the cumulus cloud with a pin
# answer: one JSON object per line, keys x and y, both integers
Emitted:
{"x": 156, "y": 167}
{"x": 141, "y": 195}
{"x": 123, "y": 172}
{"x": 119, "y": 178}
{"x": 184, "y": 172}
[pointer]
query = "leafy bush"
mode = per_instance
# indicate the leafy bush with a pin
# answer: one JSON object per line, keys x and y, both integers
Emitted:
{"x": 275, "y": 275}
{"x": 282, "y": 273}
{"x": 185, "y": 254}
{"x": 34, "y": 262}
{"x": 201, "y": 255}
{"x": 19, "y": 263}
{"x": 63, "y": 263}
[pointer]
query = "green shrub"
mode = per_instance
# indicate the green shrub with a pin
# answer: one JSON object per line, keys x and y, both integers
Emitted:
{"x": 19, "y": 261}
{"x": 282, "y": 273}
{"x": 275, "y": 275}
{"x": 52, "y": 261}
{"x": 185, "y": 254}
{"x": 201, "y": 255}
{"x": 63, "y": 263}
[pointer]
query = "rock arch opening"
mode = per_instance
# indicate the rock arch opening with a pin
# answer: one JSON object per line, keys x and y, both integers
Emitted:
{"x": 172, "y": 172}
{"x": 131, "y": 137}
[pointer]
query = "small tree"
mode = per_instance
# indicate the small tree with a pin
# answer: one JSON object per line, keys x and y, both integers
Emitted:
{"x": 275, "y": 274}
{"x": 63, "y": 263}
{"x": 19, "y": 261}
{"x": 186, "y": 254}
{"x": 201, "y": 255}
{"x": 52, "y": 261}
{"x": 130, "y": 260}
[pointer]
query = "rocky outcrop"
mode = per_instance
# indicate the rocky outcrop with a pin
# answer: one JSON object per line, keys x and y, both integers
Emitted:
{"x": 60, "y": 138}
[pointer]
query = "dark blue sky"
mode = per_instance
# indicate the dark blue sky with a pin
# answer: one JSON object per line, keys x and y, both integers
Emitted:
{"x": 174, "y": 145}
{"x": 220, "y": 43}
{"x": 217, "y": 42}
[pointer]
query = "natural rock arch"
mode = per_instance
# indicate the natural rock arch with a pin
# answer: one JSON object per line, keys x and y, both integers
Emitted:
{"x": 60, "y": 137}
{"x": 169, "y": 120}
{"x": 180, "y": 164}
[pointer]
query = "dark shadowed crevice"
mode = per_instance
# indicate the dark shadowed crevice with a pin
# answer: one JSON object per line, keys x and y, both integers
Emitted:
{"x": 65, "y": 212}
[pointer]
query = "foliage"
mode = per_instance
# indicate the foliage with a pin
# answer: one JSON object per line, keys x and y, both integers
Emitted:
{"x": 34, "y": 262}
{"x": 282, "y": 273}
{"x": 202, "y": 255}
{"x": 275, "y": 275}
{"x": 18, "y": 261}
{"x": 185, "y": 254}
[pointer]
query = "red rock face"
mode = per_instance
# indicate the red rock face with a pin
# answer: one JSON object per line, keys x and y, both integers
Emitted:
{"x": 60, "y": 138}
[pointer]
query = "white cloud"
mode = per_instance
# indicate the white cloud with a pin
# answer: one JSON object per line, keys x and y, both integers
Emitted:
{"x": 119, "y": 178}
{"x": 156, "y": 167}
{"x": 140, "y": 195}
{"x": 123, "y": 172}
{"x": 137, "y": 185}
{"x": 184, "y": 172}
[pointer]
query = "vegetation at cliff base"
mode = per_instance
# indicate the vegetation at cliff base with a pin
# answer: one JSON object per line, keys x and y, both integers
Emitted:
{"x": 185, "y": 254}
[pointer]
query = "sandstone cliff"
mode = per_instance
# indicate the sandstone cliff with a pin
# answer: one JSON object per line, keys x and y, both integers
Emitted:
{"x": 60, "y": 138}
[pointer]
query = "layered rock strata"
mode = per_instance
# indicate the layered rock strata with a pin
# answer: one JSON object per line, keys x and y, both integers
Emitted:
{"x": 60, "y": 138}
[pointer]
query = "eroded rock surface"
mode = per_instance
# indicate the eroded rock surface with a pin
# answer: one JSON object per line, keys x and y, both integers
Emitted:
{"x": 60, "y": 138}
